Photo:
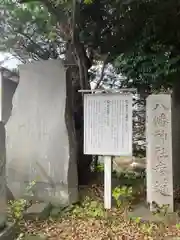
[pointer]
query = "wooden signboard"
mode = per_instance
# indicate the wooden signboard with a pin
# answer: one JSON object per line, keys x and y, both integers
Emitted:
{"x": 108, "y": 124}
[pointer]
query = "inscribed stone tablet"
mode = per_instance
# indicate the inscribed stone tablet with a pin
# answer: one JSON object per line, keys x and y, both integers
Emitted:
{"x": 159, "y": 150}
{"x": 108, "y": 124}
{"x": 40, "y": 147}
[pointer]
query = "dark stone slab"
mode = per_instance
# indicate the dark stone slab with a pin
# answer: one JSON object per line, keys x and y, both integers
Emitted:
{"x": 142, "y": 212}
{"x": 171, "y": 238}
{"x": 36, "y": 237}
{"x": 9, "y": 232}
{"x": 3, "y": 204}
{"x": 38, "y": 211}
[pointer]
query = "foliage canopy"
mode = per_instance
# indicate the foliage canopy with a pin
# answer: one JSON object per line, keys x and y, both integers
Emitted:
{"x": 140, "y": 37}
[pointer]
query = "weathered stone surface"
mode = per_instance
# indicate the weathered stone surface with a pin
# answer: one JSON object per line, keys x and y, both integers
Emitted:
{"x": 9, "y": 232}
{"x": 9, "y": 88}
{"x": 38, "y": 211}
{"x": 40, "y": 142}
{"x": 159, "y": 151}
{"x": 56, "y": 211}
{"x": 171, "y": 238}
{"x": 145, "y": 215}
{"x": 36, "y": 237}
{"x": 3, "y": 205}
{"x": 142, "y": 212}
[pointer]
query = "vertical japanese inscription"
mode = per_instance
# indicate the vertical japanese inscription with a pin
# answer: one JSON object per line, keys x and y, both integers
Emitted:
{"x": 159, "y": 154}
{"x": 160, "y": 135}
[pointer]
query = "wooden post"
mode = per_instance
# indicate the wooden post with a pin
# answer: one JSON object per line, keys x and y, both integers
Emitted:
{"x": 107, "y": 182}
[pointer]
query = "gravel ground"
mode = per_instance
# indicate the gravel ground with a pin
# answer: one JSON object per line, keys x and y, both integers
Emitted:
{"x": 98, "y": 229}
{"x": 112, "y": 226}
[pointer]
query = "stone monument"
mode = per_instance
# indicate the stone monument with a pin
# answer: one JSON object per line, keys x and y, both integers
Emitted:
{"x": 160, "y": 182}
{"x": 7, "y": 229}
{"x": 41, "y": 143}
{"x": 3, "y": 205}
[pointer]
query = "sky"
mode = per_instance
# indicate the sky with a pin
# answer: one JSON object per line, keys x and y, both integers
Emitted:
{"x": 12, "y": 63}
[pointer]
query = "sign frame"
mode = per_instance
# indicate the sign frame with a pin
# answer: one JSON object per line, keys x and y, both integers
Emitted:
{"x": 103, "y": 134}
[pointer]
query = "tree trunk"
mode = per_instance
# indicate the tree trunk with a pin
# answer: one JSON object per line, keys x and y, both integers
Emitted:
{"x": 78, "y": 64}
{"x": 176, "y": 130}
{"x": 84, "y": 161}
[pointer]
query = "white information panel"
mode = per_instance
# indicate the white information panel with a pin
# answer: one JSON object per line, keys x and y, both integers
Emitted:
{"x": 108, "y": 124}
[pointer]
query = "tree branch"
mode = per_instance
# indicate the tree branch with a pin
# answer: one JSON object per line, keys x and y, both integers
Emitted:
{"x": 49, "y": 4}
{"x": 44, "y": 54}
{"x": 102, "y": 72}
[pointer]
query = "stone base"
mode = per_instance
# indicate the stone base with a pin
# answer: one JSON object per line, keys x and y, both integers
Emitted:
{"x": 8, "y": 233}
{"x": 37, "y": 237}
{"x": 141, "y": 211}
{"x": 172, "y": 238}
{"x": 39, "y": 211}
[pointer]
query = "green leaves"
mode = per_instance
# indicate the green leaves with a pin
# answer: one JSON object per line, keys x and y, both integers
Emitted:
{"x": 16, "y": 209}
{"x": 141, "y": 37}
{"x": 90, "y": 208}
{"x": 27, "y": 30}
{"x": 123, "y": 195}
{"x": 88, "y": 1}
{"x": 150, "y": 69}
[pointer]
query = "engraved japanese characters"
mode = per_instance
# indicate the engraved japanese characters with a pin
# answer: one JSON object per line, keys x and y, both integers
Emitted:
{"x": 159, "y": 151}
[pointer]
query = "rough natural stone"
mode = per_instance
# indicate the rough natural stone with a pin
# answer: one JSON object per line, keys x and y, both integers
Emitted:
{"x": 3, "y": 204}
{"x": 145, "y": 215}
{"x": 171, "y": 238}
{"x": 38, "y": 211}
{"x": 8, "y": 88}
{"x": 143, "y": 212}
{"x": 9, "y": 232}
{"x": 9, "y": 195}
{"x": 36, "y": 237}
{"x": 56, "y": 211}
{"x": 41, "y": 143}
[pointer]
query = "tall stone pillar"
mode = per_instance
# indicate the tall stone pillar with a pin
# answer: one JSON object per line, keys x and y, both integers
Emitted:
{"x": 161, "y": 172}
